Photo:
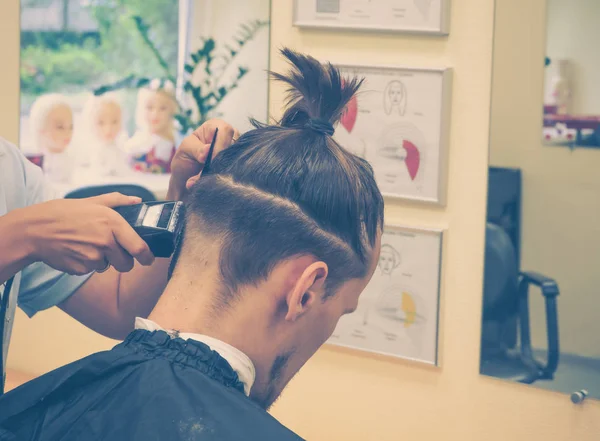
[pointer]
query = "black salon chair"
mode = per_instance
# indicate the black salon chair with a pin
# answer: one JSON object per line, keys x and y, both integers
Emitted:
{"x": 506, "y": 350}
{"x": 126, "y": 189}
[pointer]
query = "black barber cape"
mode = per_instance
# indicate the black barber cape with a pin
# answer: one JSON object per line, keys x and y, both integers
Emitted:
{"x": 150, "y": 387}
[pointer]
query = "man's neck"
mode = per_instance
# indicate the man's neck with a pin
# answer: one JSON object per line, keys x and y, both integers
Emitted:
{"x": 189, "y": 307}
{"x": 238, "y": 361}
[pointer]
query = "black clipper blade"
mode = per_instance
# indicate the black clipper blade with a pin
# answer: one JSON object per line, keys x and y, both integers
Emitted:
{"x": 159, "y": 224}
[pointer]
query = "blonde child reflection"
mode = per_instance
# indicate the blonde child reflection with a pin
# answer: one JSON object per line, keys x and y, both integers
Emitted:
{"x": 153, "y": 146}
{"x": 105, "y": 121}
{"x": 108, "y": 121}
{"x": 51, "y": 123}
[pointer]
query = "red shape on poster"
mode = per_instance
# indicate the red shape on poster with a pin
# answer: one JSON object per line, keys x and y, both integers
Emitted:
{"x": 348, "y": 118}
{"x": 413, "y": 158}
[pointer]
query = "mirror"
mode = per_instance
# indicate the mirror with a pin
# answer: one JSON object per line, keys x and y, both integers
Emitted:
{"x": 109, "y": 88}
{"x": 572, "y": 90}
{"x": 540, "y": 295}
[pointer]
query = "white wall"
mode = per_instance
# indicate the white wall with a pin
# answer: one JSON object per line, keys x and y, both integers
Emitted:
{"x": 220, "y": 20}
{"x": 574, "y": 34}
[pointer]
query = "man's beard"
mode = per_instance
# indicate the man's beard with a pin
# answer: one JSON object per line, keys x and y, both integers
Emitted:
{"x": 273, "y": 389}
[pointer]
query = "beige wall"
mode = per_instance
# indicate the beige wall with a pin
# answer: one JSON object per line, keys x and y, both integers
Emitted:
{"x": 561, "y": 206}
{"x": 9, "y": 73}
{"x": 349, "y": 396}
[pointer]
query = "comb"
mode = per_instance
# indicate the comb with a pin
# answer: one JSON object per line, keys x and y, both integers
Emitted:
{"x": 209, "y": 157}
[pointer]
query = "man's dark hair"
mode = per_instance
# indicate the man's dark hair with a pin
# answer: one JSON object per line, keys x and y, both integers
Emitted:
{"x": 290, "y": 189}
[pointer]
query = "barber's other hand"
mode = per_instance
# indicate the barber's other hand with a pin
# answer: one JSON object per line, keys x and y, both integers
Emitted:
{"x": 78, "y": 236}
{"x": 191, "y": 155}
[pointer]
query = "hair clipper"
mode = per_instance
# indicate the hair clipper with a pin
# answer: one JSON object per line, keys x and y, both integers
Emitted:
{"x": 158, "y": 223}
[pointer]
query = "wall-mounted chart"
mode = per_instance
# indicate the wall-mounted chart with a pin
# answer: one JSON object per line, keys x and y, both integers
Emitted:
{"x": 399, "y": 123}
{"x": 423, "y": 16}
{"x": 398, "y": 312}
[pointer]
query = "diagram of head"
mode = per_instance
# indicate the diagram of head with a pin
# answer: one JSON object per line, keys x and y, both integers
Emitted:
{"x": 394, "y": 98}
{"x": 104, "y": 117}
{"x": 389, "y": 259}
{"x": 402, "y": 305}
{"x": 403, "y": 147}
{"x": 51, "y": 123}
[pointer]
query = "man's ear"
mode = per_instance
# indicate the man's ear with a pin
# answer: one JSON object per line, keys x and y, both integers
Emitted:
{"x": 309, "y": 288}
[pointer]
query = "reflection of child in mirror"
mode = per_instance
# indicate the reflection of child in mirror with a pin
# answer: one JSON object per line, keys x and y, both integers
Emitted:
{"x": 561, "y": 92}
{"x": 51, "y": 125}
{"x": 105, "y": 122}
{"x": 153, "y": 146}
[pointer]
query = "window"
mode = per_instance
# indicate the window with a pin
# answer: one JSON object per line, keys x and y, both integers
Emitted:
{"x": 205, "y": 58}
{"x": 72, "y": 47}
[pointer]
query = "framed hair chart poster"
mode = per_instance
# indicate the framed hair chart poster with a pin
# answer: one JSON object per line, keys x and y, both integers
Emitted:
{"x": 399, "y": 122}
{"x": 420, "y": 16}
{"x": 398, "y": 312}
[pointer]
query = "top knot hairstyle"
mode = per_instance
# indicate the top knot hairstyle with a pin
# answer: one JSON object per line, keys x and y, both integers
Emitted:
{"x": 290, "y": 189}
{"x": 317, "y": 94}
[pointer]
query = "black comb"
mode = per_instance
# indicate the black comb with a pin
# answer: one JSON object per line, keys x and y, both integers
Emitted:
{"x": 209, "y": 157}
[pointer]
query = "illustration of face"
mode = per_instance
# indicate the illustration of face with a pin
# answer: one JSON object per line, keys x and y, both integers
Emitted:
{"x": 57, "y": 131}
{"x": 108, "y": 121}
{"x": 396, "y": 92}
{"x": 389, "y": 259}
{"x": 159, "y": 112}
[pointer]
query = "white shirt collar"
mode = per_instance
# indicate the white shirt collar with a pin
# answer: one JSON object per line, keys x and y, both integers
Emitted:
{"x": 238, "y": 361}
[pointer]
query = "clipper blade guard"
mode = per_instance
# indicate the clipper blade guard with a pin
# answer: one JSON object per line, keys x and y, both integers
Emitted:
{"x": 158, "y": 223}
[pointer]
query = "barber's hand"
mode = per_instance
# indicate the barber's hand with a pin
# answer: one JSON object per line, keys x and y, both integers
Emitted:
{"x": 191, "y": 155}
{"x": 78, "y": 236}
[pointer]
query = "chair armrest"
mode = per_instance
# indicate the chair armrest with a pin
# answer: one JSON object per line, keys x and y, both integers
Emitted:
{"x": 548, "y": 286}
{"x": 550, "y": 291}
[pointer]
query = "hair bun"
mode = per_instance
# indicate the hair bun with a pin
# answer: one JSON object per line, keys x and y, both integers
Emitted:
{"x": 320, "y": 125}
{"x": 317, "y": 94}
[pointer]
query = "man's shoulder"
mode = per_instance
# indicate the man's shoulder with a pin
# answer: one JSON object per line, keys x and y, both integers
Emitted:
{"x": 257, "y": 423}
{"x": 224, "y": 413}
{"x": 137, "y": 393}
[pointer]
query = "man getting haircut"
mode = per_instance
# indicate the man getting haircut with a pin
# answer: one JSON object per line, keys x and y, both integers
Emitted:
{"x": 281, "y": 237}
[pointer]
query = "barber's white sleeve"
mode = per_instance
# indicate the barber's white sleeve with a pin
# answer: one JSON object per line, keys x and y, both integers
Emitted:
{"x": 43, "y": 287}
{"x": 22, "y": 184}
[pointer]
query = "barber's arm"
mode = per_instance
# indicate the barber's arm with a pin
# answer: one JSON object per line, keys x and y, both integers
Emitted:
{"x": 70, "y": 236}
{"x": 109, "y": 302}
{"x": 16, "y": 253}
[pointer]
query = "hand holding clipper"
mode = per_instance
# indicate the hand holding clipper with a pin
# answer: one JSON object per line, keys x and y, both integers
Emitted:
{"x": 159, "y": 224}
